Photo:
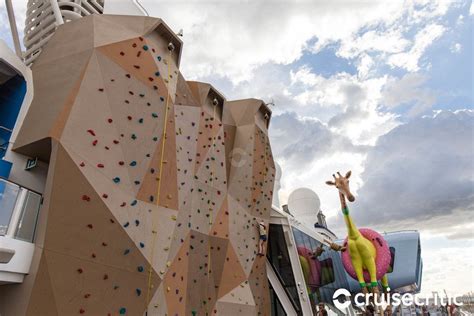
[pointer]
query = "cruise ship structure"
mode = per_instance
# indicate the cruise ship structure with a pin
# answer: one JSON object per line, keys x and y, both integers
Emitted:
{"x": 127, "y": 190}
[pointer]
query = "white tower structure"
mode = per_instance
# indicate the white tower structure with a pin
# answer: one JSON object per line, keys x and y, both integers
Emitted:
{"x": 277, "y": 186}
{"x": 44, "y": 16}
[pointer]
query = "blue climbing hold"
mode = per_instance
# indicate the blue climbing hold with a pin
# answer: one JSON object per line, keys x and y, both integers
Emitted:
{"x": 134, "y": 202}
{"x": 145, "y": 47}
{"x": 157, "y": 73}
{"x": 139, "y": 292}
{"x": 142, "y": 245}
{"x": 116, "y": 179}
{"x": 140, "y": 269}
{"x": 126, "y": 252}
{"x": 133, "y": 163}
{"x": 122, "y": 311}
{"x": 159, "y": 58}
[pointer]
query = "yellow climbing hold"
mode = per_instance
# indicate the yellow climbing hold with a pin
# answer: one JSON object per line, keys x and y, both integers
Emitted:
{"x": 173, "y": 217}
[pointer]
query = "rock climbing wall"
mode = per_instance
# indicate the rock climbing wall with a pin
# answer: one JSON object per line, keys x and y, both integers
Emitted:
{"x": 155, "y": 185}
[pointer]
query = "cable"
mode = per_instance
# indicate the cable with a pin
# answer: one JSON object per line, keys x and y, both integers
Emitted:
{"x": 158, "y": 194}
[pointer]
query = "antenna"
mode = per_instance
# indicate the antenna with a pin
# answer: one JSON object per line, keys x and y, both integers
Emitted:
{"x": 272, "y": 103}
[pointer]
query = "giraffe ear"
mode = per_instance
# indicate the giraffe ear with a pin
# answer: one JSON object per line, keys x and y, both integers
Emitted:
{"x": 330, "y": 183}
{"x": 348, "y": 174}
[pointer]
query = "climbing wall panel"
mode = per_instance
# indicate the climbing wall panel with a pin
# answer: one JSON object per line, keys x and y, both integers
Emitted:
{"x": 155, "y": 183}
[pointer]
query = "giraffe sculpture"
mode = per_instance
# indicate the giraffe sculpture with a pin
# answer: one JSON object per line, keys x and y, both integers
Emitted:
{"x": 368, "y": 252}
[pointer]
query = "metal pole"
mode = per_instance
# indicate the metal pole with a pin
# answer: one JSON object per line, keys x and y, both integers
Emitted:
{"x": 57, "y": 12}
{"x": 14, "y": 30}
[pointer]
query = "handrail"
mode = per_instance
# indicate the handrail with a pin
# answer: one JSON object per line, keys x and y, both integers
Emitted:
{"x": 6, "y": 129}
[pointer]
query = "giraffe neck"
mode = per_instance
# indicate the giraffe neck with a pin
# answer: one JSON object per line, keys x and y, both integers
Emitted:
{"x": 352, "y": 230}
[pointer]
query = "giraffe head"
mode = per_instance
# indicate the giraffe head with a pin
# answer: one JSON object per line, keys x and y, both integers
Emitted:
{"x": 342, "y": 184}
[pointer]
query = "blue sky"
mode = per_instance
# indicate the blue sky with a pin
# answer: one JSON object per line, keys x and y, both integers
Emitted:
{"x": 383, "y": 88}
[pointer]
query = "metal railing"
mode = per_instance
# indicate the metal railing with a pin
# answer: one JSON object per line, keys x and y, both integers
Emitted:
{"x": 19, "y": 208}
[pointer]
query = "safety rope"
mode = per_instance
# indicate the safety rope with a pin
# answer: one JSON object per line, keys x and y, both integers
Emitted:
{"x": 214, "y": 104}
{"x": 158, "y": 194}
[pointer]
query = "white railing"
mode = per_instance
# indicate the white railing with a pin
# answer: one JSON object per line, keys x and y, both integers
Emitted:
{"x": 44, "y": 16}
{"x": 19, "y": 209}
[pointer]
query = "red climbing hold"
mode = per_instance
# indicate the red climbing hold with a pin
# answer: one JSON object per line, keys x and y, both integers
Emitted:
{"x": 93, "y": 255}
{"x": 82, "y": 311}
{"x": 91, "y": 132}
{"x": 105, "y": 196}
{"x": 121, "y": 163}
{"x": 79, "y": 270}
{"x": 82, "y": 164}
{"x": 129, "y": 118}
{"x": 110, "y": 120}
{"x": 105, "y": 277}
{"x": 99, "y": 165}
{"x": 87, "y": 295}
{"x": 116, "y": 141}
{"x": 86, "y": 198}
{"x": 90, "y": 226}
{"x": 94, "y": 143}
{"x": 123, "y": 204}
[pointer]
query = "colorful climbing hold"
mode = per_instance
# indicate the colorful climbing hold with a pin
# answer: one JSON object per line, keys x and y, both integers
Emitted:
{"x": 86, "y": 198}
{"x": 91, "y": 132}
{"x": 154, "y": 115}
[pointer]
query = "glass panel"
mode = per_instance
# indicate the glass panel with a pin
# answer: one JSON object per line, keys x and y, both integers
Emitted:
{"x": 29, "y": 214}
{"x": 392, "y": 260}
{"x": 8, "y": 196}
{"x": 278, "y": 256}
{"x": 277, "y": 308}
{"x": 322, "y": 268}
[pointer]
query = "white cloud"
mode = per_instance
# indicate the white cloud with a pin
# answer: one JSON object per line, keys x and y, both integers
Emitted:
{"x": 455, "y": 48}
{"x": 234, "y": 38}
{"x": 422, "y": 168}
{"x": 471, "y": 8}
{"x": 409, "y": 60}
{"x": 408, "y": 90}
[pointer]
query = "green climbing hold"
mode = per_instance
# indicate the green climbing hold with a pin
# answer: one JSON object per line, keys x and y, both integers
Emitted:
{"x": 154, "y": 115}
{"x": 133, "y": 136}
{"x": 145, "y": 47}
{"x": 122, "y": 311}
{"x": 116, "y": 179}
{"x": 140, "y": 269}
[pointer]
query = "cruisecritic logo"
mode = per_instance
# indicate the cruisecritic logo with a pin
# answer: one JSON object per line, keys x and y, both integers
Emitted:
{"x": 342, "y": 299}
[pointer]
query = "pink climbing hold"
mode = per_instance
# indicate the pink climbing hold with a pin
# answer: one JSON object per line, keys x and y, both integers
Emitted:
{"x": 382, "y": 260}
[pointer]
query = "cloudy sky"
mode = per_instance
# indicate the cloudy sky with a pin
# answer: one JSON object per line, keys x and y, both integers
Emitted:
{"x": 382, "y": 88}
